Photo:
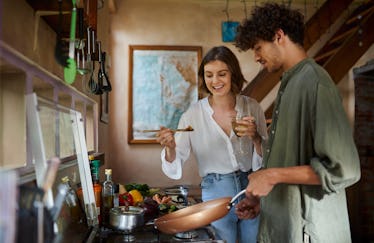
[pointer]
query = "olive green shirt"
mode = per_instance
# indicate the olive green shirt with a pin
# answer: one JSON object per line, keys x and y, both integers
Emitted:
{"x": 309, "y": 127}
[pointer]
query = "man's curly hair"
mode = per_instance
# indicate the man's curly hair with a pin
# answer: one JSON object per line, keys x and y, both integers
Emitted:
{"x": 265, "y": 20}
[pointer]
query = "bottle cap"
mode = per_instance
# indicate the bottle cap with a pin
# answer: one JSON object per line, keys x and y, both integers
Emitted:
{"x": 65, "y": 179}
{"x": 108, "y": 171}
{"x": 91, "y": 157}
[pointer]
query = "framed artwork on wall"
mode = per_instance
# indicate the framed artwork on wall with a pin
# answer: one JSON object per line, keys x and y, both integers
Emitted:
{"x": 229, "y": 30}
{"x": 163, "y": 82}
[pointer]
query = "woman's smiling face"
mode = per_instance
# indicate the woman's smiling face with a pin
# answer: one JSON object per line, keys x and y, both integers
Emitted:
{"x": 217, "y": 77}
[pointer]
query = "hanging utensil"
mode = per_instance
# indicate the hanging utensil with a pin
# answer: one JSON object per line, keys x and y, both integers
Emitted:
{"x": 89, "y": 63}
{"x": 103, "y": 79}
{"x": 71, "y": 70}
{"x": 81, "y": 64}
{"x": 92, "y": 85}
{"x": 96, "y": 89}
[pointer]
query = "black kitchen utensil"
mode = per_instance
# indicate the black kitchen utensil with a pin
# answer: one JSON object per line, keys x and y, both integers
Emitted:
{"x": 28, "y": 216}
{"x": 103, "y": 79}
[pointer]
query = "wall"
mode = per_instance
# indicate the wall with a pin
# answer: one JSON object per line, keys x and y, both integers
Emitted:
{"x": 163, "y": 22}
{"x": 362, "y": 194}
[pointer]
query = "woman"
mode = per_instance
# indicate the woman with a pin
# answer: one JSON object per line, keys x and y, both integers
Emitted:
{"x": 223, "y": 166}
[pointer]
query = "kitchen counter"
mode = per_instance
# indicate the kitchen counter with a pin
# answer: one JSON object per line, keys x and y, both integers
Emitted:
{"x": 80, "y": 232}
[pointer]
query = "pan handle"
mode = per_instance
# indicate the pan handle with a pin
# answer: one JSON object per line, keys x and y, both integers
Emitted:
{"x": 232, "y": 202}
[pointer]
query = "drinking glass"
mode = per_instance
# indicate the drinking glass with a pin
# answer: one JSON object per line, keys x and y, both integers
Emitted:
{"x": 234, "y": 124}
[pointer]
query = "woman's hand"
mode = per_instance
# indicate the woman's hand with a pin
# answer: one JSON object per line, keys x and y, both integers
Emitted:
{"x": 248, "y": 208}
{"x": 166, "y": 138}
{"x": 248, "y": 128}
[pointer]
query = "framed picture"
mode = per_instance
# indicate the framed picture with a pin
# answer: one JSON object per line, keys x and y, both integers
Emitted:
{"x": 229, "y": 30}
{"x": 104, "y": 107}
{"x": 163, "y": 84}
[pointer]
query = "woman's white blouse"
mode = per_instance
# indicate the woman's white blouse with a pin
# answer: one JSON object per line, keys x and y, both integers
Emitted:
{"x": 213, "y": 149}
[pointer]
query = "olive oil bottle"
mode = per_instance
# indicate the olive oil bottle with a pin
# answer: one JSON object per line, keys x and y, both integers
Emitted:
{"x": 107, "y": 194}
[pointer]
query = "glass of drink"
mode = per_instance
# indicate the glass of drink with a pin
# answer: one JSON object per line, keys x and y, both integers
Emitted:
{"x": 235, "y": 126}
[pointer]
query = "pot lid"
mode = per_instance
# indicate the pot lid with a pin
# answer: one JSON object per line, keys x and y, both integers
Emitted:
{"x": 131, "y": 210}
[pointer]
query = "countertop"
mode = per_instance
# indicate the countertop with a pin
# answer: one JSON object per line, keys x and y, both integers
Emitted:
{"x": 80, "y": 232}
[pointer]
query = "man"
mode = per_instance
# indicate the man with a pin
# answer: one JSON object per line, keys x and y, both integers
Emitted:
{"x": 311, "y": 156}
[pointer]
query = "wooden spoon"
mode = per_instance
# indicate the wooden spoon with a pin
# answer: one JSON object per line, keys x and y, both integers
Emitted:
{"x": 187, "y": 129}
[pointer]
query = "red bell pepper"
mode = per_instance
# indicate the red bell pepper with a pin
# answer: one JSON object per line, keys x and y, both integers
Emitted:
{"x": 126, "y": 199}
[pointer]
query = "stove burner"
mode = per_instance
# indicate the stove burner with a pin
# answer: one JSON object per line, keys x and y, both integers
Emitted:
{"x": 186, "y": 235}
{"x": 128, "y": 238}
{"x": 148, "y": 234}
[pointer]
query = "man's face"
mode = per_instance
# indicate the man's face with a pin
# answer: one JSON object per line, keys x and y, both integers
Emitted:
{"x": 268, "y": 55}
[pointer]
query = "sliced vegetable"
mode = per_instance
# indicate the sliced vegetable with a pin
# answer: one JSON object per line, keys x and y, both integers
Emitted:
{"x": 167, "y": 208}
{"x": 161, "y": 199}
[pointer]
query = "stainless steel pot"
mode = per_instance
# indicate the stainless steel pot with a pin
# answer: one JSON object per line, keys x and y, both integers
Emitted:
{"x": 126, "y": 220}
{"x": 178, "y": 194}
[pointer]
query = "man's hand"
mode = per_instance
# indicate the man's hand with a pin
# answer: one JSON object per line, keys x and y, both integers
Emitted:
{"x": 261, "y": 182}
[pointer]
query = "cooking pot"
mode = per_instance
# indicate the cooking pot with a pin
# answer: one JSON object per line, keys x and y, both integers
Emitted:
{"x": 195, "y": 216}
{"x": 126, "y": 219}
{"x": 178, "y": 194}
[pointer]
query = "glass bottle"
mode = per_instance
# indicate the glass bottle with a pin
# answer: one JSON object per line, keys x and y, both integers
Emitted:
{"x": 95, "y": 164}
{"x": 72, "y": 201}
{"x": 107, "y": 196}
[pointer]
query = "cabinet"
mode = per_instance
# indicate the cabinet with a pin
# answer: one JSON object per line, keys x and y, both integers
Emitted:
{"x": 49, "y": 11}
{"x": 20, "y": 76}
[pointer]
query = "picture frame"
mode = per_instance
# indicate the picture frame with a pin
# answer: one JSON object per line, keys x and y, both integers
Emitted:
{"x": 104, "y": 107}
{"x": 163, "y": 82}
{"x": 229, "y": 30}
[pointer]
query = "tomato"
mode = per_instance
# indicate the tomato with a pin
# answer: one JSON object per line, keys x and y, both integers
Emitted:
{"x": 126, "y": 199}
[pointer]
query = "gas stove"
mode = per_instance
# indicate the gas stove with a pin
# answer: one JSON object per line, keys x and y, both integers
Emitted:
{"x": 148, "y": 234}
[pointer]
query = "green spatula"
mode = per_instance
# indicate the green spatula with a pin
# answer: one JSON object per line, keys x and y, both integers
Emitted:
{"x": 70, "y": 71}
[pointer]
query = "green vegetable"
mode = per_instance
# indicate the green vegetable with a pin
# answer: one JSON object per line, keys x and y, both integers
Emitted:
{"x": 172, "y": 208}
{"x": 142, "y": 188}
{"x": 163, "y": 207}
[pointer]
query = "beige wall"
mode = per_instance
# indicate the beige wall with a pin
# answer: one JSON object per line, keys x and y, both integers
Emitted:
{"x": 163, "y": 22}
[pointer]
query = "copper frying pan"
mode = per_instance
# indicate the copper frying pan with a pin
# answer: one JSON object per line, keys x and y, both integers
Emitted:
{"x": 195, "y": 216}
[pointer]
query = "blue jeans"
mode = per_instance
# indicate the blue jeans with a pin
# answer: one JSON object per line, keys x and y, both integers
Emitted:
{"x": 230, "y": 228}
